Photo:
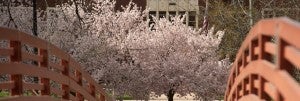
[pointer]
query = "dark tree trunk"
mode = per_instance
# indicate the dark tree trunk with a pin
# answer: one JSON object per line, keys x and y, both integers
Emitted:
{"x": 34, "y": 18}
{"x": 121, "y": 98}
{"x": 171, "y": 94}
{"x": 34, "y": 31}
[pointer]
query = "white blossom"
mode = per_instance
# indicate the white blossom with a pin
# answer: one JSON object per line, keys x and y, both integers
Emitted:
{"x": 121, "y": 52}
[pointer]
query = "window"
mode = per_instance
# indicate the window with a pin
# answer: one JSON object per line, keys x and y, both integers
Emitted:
{"x": 172, "y": 14}
{"x": 192, "y": 18}
{"x": 162, "y": 14}
{"x": 172, "y": 2}
{"x": 182, "y": 13}
{"x": 151, "y": 15}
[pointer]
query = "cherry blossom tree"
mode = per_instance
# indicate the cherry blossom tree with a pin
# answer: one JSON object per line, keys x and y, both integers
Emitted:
{"x": 121, "y": 51}
{"x": 179, "y": 59}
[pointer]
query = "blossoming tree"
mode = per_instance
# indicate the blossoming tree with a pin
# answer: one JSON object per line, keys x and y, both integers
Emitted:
{"x": 121, "y": 51}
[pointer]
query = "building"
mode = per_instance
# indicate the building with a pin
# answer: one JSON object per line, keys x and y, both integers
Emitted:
{"x": 168, "y": 8}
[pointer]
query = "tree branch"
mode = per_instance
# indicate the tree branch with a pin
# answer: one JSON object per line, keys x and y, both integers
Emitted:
{"x": 77, "y": 13}
{"x": 10, "y": 16}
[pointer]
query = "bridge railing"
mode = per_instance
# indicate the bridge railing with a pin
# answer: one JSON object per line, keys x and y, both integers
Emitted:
{"x": 55, "y": 73}
{"x": 263, "y": 66}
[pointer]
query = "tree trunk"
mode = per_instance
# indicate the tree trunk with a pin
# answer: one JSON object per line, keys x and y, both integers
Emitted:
{"x": 121, "y": 98}
{"x": 34, "y": 31}
{"x": 34, "y": 18}
{"x": 171, "y": 94}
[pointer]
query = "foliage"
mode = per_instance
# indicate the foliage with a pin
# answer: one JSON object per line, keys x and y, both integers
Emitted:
{"x": 125, "y": 97}
{"x": 234, "y": 18}
{"x": 4, "y": 93}
{"x": 233, "y": 21}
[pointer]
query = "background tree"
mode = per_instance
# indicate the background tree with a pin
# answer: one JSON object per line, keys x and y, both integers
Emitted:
{"x": 232, "y": 20}
{"x": 234, "y": 17}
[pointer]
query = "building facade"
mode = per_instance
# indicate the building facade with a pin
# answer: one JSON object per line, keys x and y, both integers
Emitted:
{"x": 168, "y": 8}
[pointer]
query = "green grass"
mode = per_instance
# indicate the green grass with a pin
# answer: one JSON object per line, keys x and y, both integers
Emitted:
{"x": 125, "y": 97}
{"x": 4, "y": 94}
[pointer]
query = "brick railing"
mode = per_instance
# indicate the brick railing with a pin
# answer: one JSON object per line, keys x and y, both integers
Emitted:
{"x": 56, "y": 75}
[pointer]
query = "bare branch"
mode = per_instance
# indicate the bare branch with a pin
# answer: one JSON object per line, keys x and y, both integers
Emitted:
{"x": 10, "y": 16}
{"x": 77, "y": 13}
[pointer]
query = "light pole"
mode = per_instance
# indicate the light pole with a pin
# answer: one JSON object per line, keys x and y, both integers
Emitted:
{"x": 205, "y": 19}
{"x": 250, "y": 13}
